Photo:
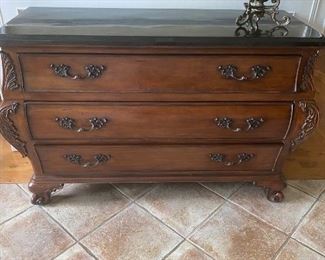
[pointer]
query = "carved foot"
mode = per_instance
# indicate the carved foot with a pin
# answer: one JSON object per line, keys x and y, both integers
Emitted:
{"x": 273, "y": 189}
{"x": 274, "y": 196}
{"x": 42, "y": 192}
{"x": 41, "y": 198}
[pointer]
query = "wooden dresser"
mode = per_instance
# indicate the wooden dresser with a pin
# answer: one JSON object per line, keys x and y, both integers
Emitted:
{"x": 117, "y": 95}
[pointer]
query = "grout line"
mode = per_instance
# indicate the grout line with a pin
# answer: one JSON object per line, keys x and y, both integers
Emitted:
{"x": 174, "y": 249}
{"x": 258, "y": 217}
{"x": 159, "y": 220}
{"x": 199, "y": 226}
{"x": 105, "y": 222}
{"x": 225, "y": 197}
{"x": 78, "y": 240}
{"x": 295, "y": 229}
{"x": 60, "y": 253}
{"x": 88, "y": 250}
{"x": 136, "y": 197}
{"x": 193, "y": 244}
{"x": 126, "y": 206}
{"x": 185, "y": 238}
{"x": 312, "y": 249}
{"x": 200, "y": 248}
{"x": 25, "y": 193}
{"x": 20, "y": 213}
{"x": 155, "y": 186}
{"x": 265, "y": 221}
{"x": 300, "y": 189}
{"x": 323, "y": 193}
{"x": 154, "y": 216}
{"x": 277, "y": 253}
{"x": 57, "y": 222}
{"x": 254, "y": 215}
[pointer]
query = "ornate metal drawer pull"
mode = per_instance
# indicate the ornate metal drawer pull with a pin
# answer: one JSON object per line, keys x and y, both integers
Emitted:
{"x": 252, "y": 123}
{"x": 231, "y": 72}
{"x": 69, "y": 123}
{"x": 64, "y": 71}
{"x": 241, "y": 158}
{"x": 77, "y": 159}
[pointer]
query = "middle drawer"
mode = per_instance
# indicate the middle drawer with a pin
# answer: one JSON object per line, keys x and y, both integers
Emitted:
{"x": 147, "y": 121}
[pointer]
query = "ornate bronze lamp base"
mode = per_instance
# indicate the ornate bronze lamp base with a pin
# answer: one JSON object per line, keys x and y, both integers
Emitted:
{"x": 256, "y": 9}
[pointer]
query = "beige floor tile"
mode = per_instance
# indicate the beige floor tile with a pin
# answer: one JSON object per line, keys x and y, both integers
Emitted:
{"x": 134, "y": 190}
{"x": 234, "y": 234}
{"x": 186, "y": 251}
{"x": 285, "y": 215}
{"x": 296, "y": 251}
{"x": 182, "y": 206}
{"x": 223, "y": 189}
{"x": 75, "y": 252}
{"x": 312, "y": 187}
{"x": 82, "y": 207}
{"x": 132, "y": 234}
{"x": 311, "y": 231}
{"x": 32, "y": 235}
{"x": 12, "y": 201}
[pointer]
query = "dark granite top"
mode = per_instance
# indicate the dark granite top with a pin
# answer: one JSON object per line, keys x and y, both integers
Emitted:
{"x": 147, "y": 26}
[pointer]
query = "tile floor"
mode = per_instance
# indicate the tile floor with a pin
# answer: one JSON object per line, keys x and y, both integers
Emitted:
{"x": 164, "y": 221}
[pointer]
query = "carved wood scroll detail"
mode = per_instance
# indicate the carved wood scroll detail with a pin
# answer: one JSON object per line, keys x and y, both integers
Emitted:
{"x": 311, "y": 113}
{"x": 8, "y": 130}
{"x": 307, "y": 78}
{"x": 9, "y": 73}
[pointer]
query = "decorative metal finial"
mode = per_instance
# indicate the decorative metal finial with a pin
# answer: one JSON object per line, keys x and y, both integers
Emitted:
{"x": 257, "y": 9}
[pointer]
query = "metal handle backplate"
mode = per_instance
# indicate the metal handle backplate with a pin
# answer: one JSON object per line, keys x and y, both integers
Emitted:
{"x": 70, "y": 123}
{"x": 232, "y": 72}
{"x": 240, "y": 158}
{"x": 227, "y": 123}
{"x": 64, "y": 71}
{"x": 78, "y": 160}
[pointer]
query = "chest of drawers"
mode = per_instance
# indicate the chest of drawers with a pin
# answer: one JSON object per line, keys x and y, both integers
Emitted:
{"x": 118, "y": 102}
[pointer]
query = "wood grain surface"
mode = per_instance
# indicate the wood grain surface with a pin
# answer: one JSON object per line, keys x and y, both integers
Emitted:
{"x": 309, "y": 156}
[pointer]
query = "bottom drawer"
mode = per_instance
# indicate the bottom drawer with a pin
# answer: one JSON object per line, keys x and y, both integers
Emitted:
{"x": 99, "y": 160}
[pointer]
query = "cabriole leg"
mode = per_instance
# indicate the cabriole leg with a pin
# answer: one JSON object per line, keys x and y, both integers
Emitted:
{"x": 273, "y": 189}
{"x": 42, "y": 191}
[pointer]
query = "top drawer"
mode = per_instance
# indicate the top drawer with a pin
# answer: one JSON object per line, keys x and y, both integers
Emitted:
{"x": 159, "y": 73}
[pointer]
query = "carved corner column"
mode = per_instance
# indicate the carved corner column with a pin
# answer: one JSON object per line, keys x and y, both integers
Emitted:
{"x": 10, "y": 107}
{"x": 8, "y": 129}
{"x": 307, "y": 81}
{"x": 307, "y": 122}
{"x": 10, "y": 78}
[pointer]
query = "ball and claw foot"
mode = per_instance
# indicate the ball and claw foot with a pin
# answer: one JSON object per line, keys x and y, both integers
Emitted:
{"x": 44, "y": 197}
{"x": 274, "y": 196}
{"x": 273, "y": 189}
{"x": 41, "y": 199}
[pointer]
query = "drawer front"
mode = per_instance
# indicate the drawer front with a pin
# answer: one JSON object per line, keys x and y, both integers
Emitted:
{"x": 159, "y": 120}
{"x": 159, "y": 73}
{"x": 143, "y": 159}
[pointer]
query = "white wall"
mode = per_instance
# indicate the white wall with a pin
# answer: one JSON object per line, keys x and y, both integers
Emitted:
{"x": 319, "y": 17}
{"x": 312, "y": 11}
